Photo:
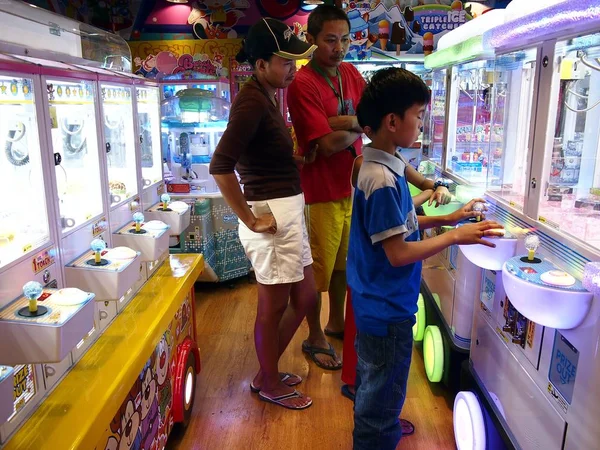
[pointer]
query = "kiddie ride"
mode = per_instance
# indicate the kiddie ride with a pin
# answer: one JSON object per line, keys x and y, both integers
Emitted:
{"x": 533, "y": 364}
{"x": 97, "y": 331}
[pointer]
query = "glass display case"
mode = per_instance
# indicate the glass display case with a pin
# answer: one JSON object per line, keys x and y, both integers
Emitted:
{"x": 512, "y": 96}
{"x": 193, "y": 122}
{"x": 435, "y": 119}
{"x": 23, "y": 218}
{"x": 119, "y": 141}
{"x": 571, "y": 197}
{"x": 469, "y": 122}
{"x": 172, "y": 84}
{"x": 148, "y": 109}
{"x": 414, "y": 155}
{"x": 368, "y": 68}
{"x": 74, "y": 140}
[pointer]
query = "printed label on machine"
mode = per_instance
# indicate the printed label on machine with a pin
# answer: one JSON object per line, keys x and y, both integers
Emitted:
{"x": 563, "y": 368}
{"x": 453, "y": 256}
{"x": 42, "y": 261}
{"x": 24, "y": 386}
{"x": 488, "y": 289}
{"x": 562, "y": 403}
{"x": 99, "y": 227}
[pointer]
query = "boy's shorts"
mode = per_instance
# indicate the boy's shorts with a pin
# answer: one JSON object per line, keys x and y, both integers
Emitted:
{"x": 329, "y": 232}
{"x": 278, "y": 258}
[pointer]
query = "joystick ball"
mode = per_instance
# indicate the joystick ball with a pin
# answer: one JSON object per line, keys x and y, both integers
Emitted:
{"x": 478, "y": 207}
{"x": 532, "y": 243}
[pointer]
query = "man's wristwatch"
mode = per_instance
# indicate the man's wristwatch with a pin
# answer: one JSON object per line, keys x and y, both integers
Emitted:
{"x": 440, "y": 182}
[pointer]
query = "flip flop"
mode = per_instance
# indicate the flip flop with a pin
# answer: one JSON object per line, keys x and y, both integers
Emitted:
{"x": 312, "y": 351}
{"x": 279, "y": 400}
{"x": 284, "y": 376}
{"x": 334, "y": 334}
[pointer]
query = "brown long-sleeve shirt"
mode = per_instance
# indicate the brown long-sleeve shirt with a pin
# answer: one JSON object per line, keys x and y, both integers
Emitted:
{"x": 257, "y": 144}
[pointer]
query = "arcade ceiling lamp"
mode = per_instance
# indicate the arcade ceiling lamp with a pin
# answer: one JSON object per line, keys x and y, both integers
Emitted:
{"x": 177, "y": 1}
{"x": 309, "y": 5}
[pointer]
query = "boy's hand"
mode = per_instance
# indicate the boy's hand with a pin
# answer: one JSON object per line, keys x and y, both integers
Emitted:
{"x": 473, "y": 233}
{"x": 441, "y": 196}
{"x": 466, "y": 212}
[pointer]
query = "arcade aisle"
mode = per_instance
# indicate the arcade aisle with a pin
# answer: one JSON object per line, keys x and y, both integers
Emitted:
{"x": 227, "y": 416}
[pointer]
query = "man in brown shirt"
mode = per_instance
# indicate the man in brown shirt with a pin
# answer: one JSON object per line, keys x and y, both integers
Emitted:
{"x": 272, "y": 228}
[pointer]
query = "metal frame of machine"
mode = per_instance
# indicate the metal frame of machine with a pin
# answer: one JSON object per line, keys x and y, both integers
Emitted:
{"x": 33, "y": 52}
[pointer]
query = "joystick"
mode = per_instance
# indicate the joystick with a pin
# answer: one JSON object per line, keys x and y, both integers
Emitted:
{"x": 138, "y": 218}
{"x": 532, "y": 242}
{"x": 97, "y": 246}
{"x": 33, "y": 290}
{"x": 165, "y": 199}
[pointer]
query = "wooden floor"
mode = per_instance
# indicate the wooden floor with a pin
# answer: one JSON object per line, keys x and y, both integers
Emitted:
{"x": 227, "y": 416}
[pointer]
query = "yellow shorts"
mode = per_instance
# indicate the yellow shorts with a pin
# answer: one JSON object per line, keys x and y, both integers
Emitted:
{"x": 329, "y": 232}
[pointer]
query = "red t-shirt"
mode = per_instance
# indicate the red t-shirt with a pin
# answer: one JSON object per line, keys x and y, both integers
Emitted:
{"x": 311, "y": 101}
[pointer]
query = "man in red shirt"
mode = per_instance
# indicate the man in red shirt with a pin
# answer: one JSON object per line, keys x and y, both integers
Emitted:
{"x": 322, "y": 102}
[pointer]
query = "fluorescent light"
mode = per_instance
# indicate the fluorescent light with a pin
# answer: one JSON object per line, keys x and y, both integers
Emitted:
{"x": 177, "y": 1}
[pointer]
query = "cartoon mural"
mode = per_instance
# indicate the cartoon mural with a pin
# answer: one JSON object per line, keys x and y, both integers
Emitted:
{"x": 149, "y": 404}
{"x": 381, "y": 27}
{"x": 144, "y": 420}
{"x": 215, "y": 19}
{"x": 186, "y": 59}
{"x": 359, "y": 35}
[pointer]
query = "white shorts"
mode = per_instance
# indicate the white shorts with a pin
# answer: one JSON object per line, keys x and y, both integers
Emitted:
{"x": 278, "y": 258}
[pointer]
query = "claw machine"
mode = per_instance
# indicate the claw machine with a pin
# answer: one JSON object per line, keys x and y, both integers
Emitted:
{"x": 59, "y": 274}
{"x": 28, "y": 238}
{"x": 457, "y": 137}
{"x": 148, "y": 133}
{"x": 170, "y": 85}
{"x": 412, "y": 63}
{"x": 39, "y": 323}
{"x": 434, "y": 125}
{"x": 123, "y": 144}
{"x": 192, "y": 123}
{"x": 536, "y": 327}
{"x": 86, "y": 198}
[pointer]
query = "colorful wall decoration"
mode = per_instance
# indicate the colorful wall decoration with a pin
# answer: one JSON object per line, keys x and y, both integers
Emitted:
{"x": 382, "y": 29}
{"x": 186, "y": 59}
{"x": 214, "y": 19}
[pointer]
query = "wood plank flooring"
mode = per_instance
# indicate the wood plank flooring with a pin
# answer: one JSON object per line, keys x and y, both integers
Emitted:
{"x": 227, "y": 416}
